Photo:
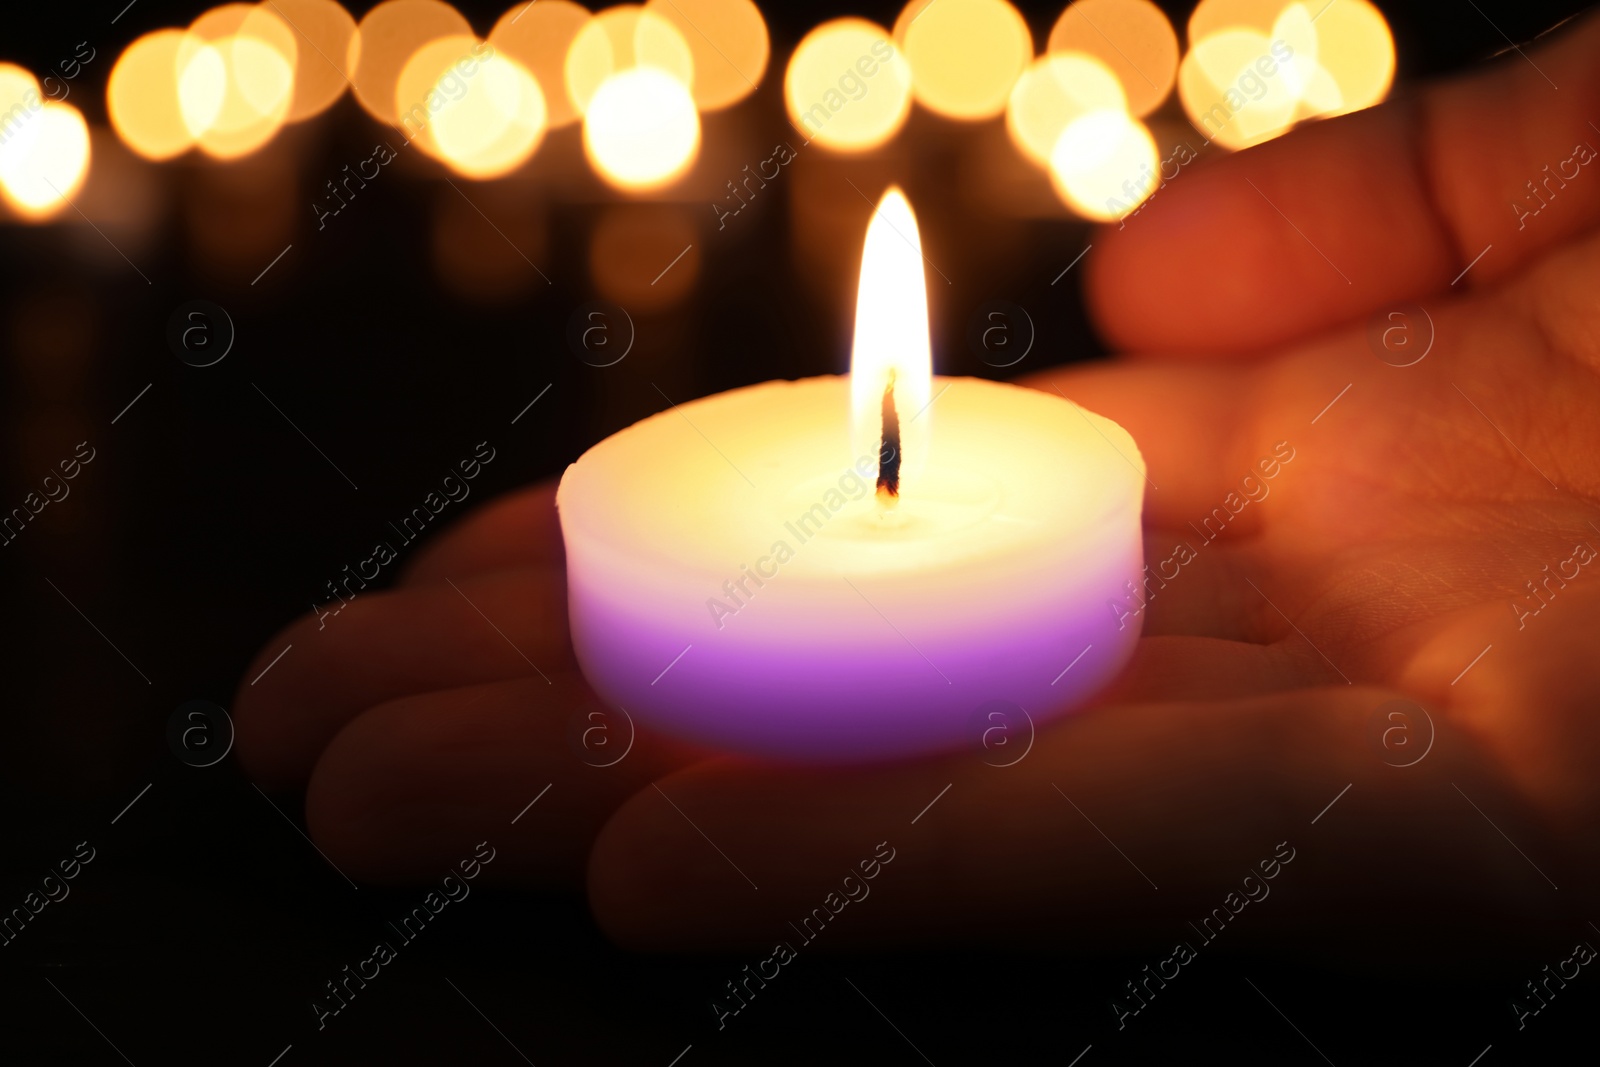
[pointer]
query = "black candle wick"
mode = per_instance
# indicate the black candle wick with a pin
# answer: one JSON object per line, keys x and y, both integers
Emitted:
{"x": 889, "y": 454}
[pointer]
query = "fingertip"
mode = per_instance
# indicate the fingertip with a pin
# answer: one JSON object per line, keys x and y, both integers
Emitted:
{"x": 267, "y": 752}
{"x": 519, "y": 529}
{"x": 630, "y": 898}
{"x": 1137, "y": 281}
{"x": 701, "y": 858}
{"x": 405, "y": 787}
{"x": 362, "y": 806}
{"x": 381, "y": 646}
{"x": 727, "y": 853}
{"x": 1239, "y": 253}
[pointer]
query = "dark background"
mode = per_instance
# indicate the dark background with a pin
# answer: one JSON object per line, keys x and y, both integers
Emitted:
{"x": 398, "y": 337}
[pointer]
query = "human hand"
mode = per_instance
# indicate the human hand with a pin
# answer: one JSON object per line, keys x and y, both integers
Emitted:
{"x": 1378, "y": 562}
{"x": 425, "y": 718}
{"x": 1383, "y": 558}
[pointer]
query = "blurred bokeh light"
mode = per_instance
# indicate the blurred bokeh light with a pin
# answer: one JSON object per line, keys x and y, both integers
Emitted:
{"x": 258, "y": 57}
{"x": 641, "y": 130}
{"x": 965, "y": 55}
{"x": 1053, "y": 91}
{"x": 323, "y": 32}
{"x": 51, "y": 163}
{"x": 495, "y": 125}
{"x": 479, "y": 112}
{"x": 20, "y": 102}
{"x": 1214, "y": 16}
{"x": 848, "y": 87}
{"x": 202, "y": 84}
{"x": 1356, "y": 49}
{"x": 1256, "y": 67}
{"x": 538, "y": 35}
{"x": 728, "y": 40}
{"x": 1104, "y": 164}
{"x": 142, "y": 98}
{"x": 1132, "y": 38}
{"x": 623, "y": 38}
{"x": 1239, "y": 87}
{"x": 241, "y": 71}
{"x": 385, "y": 40}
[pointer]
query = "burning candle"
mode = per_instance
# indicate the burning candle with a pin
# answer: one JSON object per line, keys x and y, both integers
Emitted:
{"x": 846, "y": 569}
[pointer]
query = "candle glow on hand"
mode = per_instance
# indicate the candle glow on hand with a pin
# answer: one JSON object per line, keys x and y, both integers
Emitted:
{"x": 891, "y": 353}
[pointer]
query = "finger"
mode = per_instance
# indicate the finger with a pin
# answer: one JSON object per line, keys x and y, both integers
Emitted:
{"x": 406, "y": 786}
{"x": 383, "y": 646}
{"x": 1211, "y": 474}
{"x": 516, "y": 530}
{"x": 1338, "y": 219}
{"x": 534, "y": 769}
{"x": 1071, "y": 843}
{"x": 1207, "y": 668}
{"x": 1519, "y": 673}
{"x": 1199, "y": 429}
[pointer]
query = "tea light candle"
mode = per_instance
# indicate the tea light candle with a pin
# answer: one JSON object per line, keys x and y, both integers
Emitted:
{"x": 846, "y": 569}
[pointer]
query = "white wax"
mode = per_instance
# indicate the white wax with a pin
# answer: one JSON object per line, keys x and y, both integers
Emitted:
{"x": 733, "y": 580}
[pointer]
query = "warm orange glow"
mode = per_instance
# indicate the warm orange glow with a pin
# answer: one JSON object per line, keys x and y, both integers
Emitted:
{"x": 52, "y": 164}
{"x": 641, "y": 130}
{"x": 891, "y": 335}
{"x": 484, "y": 262}
{"x": 1356, "y": 49}
{"x": 20, "y": 105}
{"x": 538, "y": 35}
{"x": 323, "y": 33}
{"x": 1131, "y": 37}
{"x": 1055, "y": 90}
{"x": 497, "y": 123}
{"x": 426, "y": 88}
{"x": 262, "y": 74}
{"x": 965, "y": 55}
{"x": 1324, "y": 59}
{"x": 386, "y": 39}
{"x": 15, "y": 83}
{"x": 258, "y": 80}
{"x": 630, "y": 247}
{"x": 1240, "y": 87}
{"x": 256, "y": 75}
{"x": 1303, "y": 78}
{"x": 847, "y": 86}
{"x": 1213, "y": 16}
{"x": 1104, "y": 164}
{"x": 201, "y": 86}
{"x": 728, "y": 39}
{"x": 622, "y": 38}
{"x": 258, "y": 55}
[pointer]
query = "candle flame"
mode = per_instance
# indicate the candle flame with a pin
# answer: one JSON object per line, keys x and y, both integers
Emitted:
{"x": 891, "y": 363}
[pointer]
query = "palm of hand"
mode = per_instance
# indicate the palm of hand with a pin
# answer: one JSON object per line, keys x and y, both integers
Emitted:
{"x": 1384, "y": 561}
